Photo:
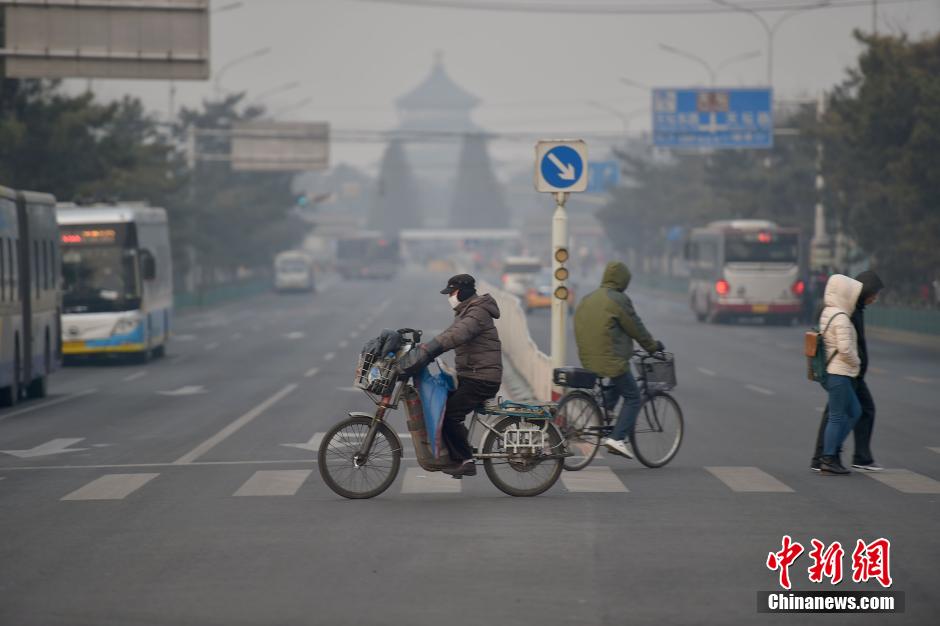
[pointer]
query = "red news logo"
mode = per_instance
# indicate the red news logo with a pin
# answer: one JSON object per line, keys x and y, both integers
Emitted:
{"x": 869, "y": 561}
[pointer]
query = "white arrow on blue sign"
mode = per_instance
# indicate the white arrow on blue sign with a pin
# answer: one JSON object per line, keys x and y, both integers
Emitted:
{"x": 561, "y": 166}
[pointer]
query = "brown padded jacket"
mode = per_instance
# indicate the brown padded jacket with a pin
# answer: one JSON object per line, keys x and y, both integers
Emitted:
{"x": 474, "y": 339}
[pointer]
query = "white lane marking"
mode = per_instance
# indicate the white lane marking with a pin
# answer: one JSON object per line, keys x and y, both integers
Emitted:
{"x": 705, "y": 371}
{"x": 749, "y": 480}
{"x": 593, "y": 480}
{"x": 343, "y": 343}
{"x": 418, "y": 480}
{"x": 350, "y": 389}
{"x": 363, "y": 326}
{"x": 906, "y": 481}
{"x": 919, "y": 380}
{"x": 212, "y": 346}
{"x": 56, "y": 446}
{"x": 937, "y": 450}
{"x": 354, "y": 334}
{"x": 232, "y": 428}
{"x": 111, "y": 487}
{"x": 761, "y": 390}
{"x": 184, "y": 338}
{"x": 877, "y": 370}
{"x": 188, "y": 390}
{"x": 134, "y": 376}
{"x": 295, "y": 335}
{"x": 818, "y": 408}
{"x": 273, "y": 483}
{"x": 43, "y": 405}
{"x": 310, "y": 373}
{"x": 329, "y": 356}
{"x": 313, "y": 444}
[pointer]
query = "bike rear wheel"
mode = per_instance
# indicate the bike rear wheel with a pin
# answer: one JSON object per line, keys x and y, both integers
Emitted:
{"x": 523, "y": 474}
{"x": 579, "y": 420}
{"x": 658, "y": 431}
{"x": 359, "y": 478}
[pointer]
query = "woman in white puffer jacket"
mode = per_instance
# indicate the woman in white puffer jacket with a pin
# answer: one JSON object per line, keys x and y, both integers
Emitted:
{"x": 843, "y": 365}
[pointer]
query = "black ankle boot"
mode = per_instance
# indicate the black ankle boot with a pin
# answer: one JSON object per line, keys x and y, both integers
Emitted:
{"x": 832, "y": 465}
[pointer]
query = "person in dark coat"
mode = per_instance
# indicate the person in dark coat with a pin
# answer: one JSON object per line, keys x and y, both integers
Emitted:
{"x": 479, "y": 359}
{"x": 862, "y": 458}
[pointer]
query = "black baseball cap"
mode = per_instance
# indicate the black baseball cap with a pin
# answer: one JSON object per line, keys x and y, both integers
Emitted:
{"x": 460, "y": 281}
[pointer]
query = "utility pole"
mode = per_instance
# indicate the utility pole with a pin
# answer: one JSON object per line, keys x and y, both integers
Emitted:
{"x": 821, "y": 245}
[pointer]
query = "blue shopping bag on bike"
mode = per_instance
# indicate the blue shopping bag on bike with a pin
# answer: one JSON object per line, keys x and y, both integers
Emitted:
{"x": 433, "y": 390}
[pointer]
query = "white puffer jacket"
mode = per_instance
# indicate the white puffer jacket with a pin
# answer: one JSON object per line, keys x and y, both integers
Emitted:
{"x": 841, "y": 295}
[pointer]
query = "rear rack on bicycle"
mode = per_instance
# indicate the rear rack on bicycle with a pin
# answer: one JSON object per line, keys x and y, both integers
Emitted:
{"x": 521, "y": 409}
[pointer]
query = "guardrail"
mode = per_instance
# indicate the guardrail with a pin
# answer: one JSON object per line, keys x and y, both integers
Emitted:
{"x": 222, "y": 293}
{"x": 533, "y": 365}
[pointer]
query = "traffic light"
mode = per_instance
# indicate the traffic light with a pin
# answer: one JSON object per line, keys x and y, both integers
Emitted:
{"x": 561, "y": 273}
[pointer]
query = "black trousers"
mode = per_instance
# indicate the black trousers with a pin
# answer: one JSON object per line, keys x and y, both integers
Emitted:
{"x": 863, "y": 428}
{"x": 470, "y": 394}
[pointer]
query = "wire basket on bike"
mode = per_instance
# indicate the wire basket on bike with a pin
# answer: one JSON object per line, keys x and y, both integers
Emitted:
{"x": 375, "y": 374}
{"x": 659, "y": 370}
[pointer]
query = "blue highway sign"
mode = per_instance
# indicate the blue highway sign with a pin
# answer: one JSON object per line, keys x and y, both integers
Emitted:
{"x": 603, "y": 176}
{"x": 713, "y": 118}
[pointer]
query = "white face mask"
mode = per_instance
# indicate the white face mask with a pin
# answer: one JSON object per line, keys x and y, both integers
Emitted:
{"x": 452, "y": 299}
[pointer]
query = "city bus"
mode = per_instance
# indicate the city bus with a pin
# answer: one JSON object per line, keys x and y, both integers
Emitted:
{"x": 117, "y": 278}
{"x": 293, "y": 271}
{"x": 29, "y": 294}
{"x": 368, "y": 254}
{"x": 745, "y": 268}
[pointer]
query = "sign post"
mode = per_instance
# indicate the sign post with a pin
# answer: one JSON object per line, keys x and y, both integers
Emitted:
{"x": 560, "y": 169}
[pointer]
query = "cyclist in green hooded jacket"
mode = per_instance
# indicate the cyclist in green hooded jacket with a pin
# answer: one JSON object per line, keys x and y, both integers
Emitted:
{"x": 605, "y": 326}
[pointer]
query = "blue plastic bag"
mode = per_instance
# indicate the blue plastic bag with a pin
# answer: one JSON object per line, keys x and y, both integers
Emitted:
{"x": 433, "y": 390}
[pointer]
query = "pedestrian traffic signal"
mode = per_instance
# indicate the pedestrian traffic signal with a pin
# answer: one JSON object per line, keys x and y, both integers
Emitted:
{"x": 561, "y": 273}
{"x": 561, "y": 255}
{"x": 561, "y": 293}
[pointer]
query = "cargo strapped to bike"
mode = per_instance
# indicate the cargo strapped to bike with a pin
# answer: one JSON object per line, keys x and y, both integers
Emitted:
{"x": 527, "y": 410}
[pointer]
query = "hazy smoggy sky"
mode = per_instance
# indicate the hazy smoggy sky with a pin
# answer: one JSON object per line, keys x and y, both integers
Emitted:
{"x": 534, "y": 72}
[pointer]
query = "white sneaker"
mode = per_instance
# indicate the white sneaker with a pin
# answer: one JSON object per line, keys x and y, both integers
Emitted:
{"x": 871, "y": 467}
{"x": 617, "y": 447}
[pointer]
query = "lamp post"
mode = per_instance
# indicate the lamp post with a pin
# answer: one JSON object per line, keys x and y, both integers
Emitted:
{"x": 770, "y": 29}
{"x": 712, "y": 71}
{"x": 236, "y": 61}
{"x": 624, "y": 117}
{"x": 275, "y": 90}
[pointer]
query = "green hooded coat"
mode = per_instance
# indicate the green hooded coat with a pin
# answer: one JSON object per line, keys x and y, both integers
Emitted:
{"x": 605, "y": 325}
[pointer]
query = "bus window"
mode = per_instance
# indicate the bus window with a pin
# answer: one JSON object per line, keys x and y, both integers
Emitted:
{"x": 36, "y": 266}
{"x": 3, "y": 273}
{"x": 763, "y": 247}
{"x": 14, "y": 279}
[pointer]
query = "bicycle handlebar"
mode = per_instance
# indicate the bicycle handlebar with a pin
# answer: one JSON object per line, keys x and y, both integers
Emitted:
{"x": 643, "y": 354}
{"x": 415, "y": 334}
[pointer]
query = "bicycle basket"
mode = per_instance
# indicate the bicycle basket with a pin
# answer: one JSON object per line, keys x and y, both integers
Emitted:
{"x": 374, "y": 374}
{"x": 659, "y": 373}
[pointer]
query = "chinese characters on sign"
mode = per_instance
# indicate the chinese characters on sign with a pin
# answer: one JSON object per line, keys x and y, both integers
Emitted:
{"x": 713, "y": 118}
{"x": 870, "y": 561}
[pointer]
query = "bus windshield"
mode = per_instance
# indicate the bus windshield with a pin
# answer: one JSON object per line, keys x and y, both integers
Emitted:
{"x": 99, "y": 279}
{"x": 292, "y": 266}
{"x": 762, "y": 248}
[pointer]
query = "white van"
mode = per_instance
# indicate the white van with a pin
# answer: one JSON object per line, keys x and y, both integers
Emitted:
{"x": 520, "y": 273}
{"x": 293, "y": 271}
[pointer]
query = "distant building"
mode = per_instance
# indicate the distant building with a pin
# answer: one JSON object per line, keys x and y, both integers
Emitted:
{"x": 440, "y": 105}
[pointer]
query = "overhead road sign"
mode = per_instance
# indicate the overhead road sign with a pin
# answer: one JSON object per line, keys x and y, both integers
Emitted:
{"x": 156, "y": 39}
{"x": 603, "y": 176}
{"x": 713, "y": 118}
{"x": 280, "y": 146}
{"x": 561, "y": 166}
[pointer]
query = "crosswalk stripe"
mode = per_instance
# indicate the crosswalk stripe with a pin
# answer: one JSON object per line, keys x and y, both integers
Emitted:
{"x": 935, "y": 449}
{"x": 906, "y": 481}
{"x": 593, "y": 480}
{"x": 748, "y": 480}
{"x": 418, "y": 480}
{"x": 273, "y": 483}
{"x": 111, "y": 487}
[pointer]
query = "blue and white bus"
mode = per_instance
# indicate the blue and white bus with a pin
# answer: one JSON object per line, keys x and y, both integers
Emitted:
{"x": 29, "y": 294}
{"x": 117, "y": 279}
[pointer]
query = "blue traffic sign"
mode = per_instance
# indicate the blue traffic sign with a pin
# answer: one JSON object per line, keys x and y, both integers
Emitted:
{"x": 562, "y": 167}
{"x": 713, "y": 118}
{"x": 603, "y": 176}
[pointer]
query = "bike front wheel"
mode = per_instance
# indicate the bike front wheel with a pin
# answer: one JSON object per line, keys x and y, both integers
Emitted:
{"x": 524, "y": 472}
{"x": 356, "y": 477}
{"x": 579, "y": 420}
{"x": 658, "y": 431}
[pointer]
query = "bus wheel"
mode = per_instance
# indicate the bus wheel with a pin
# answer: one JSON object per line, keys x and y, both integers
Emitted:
{"x": 9, "y": 396}
{"x": 159, "y": 352}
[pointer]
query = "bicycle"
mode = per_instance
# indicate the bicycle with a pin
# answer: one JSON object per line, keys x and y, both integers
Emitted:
{"x": 523, "y": 451}
{"x": 586, "y": 412}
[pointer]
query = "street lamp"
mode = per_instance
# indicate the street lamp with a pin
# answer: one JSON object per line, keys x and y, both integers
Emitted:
{"x": 297, "y": 105}
{"x": 712, "y": 72}
{"x": 624, "y": 117}
{"x": 771, "y": 29}
{"x": 231, "y": 6}
{"x": 247, "y": 57}
{"x": 275, "y": 90}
